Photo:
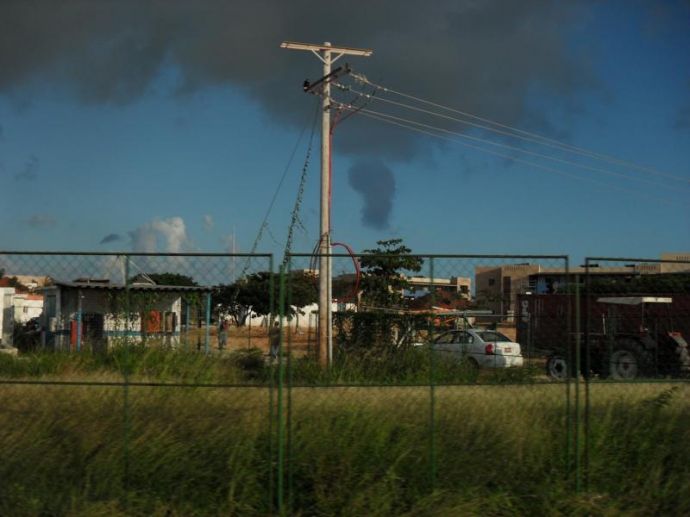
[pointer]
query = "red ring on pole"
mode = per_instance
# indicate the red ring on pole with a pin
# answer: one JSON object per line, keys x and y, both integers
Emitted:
{"x": 355, "y": 262}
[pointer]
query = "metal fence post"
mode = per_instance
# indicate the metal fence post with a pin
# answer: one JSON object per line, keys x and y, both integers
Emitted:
{"x": 125, "y": 372}
{"x": 186, "y": 329}
{"x": 569, "y": 369}
{"x": 432, "y": 389}
{"x": 281, "y": 378}
{"x": 288, "y": 424}
{"x": 79, "y": 319}
{"x": 587, "y": 371}
{"x": 578, "y": 360}
{"x": 207, "y": 335}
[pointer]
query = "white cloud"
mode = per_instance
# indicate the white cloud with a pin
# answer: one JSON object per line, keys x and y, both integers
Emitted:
{"x": 170, "y": 232}
{"x": 208, "y": 222}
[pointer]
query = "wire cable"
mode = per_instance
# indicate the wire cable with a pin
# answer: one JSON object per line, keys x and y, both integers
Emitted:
{"x": 519, "y": 149}
{"x": 526, "y": 135}
{"x": 512, "y": 158}
{"x": 295, "y": 221}
{"x": 264, "y": 223}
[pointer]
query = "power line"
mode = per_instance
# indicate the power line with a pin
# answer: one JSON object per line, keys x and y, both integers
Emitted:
{"x": 512, "y": 158}
{"x": 295, "y": 221}
{"x": 264, "y": 223}
{"x": 528, "y": 135}
{"x": 514, "y": 148}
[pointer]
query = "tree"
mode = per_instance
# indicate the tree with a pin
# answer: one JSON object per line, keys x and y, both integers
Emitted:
{"x": 383, "y": 278}
{"x": 253, "y": 294}
{"x": 383, "y": 281}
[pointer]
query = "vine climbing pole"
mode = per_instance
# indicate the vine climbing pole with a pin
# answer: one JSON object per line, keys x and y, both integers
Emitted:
{"x": 328, "y": 54}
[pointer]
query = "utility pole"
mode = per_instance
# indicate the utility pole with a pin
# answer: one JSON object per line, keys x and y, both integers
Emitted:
{"x": 328, "y": 55}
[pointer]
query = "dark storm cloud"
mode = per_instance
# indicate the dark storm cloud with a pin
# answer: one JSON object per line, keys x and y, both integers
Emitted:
{"x": 481, "y": 56}
{"x": 29, "y": 171}
{"x": 111, "y": 237}
{"x": 375, "y": 182}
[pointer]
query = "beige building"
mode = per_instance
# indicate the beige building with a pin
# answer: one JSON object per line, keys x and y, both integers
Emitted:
{"x": 682, "y": 267}
{"x": 454, "y": 285}
{"x": 498, "y": 286}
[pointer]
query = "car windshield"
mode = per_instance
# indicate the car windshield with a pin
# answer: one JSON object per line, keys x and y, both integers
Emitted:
{"x": 492, "y": 335}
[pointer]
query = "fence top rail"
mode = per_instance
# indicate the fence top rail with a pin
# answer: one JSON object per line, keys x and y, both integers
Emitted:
{"x": 379, "y": 385}
{"x": 131, "y": 384}
{"x": 628, "y": 259}
{"x": 136, "y": 254}
{"x": 431, "y": 255}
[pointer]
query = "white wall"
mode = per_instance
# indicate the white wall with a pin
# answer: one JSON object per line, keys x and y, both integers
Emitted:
{"x": 308, "y": 317}
{"x": 6, "y": 315}
{"x": 26, "y": 308}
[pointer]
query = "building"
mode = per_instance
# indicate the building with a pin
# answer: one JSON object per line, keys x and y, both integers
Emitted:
{"x": 497, "y": 287}
{"x": 455, "y": 285}
{"x": 683, "y": 265}
{"x": 6, "y": 315}
{"x": 97, "y": 314}
{"x": 555, "y": 280}
{"x": 27, "y": 306}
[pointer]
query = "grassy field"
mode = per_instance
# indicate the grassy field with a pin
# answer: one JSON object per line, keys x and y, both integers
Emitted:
{"x": 495, "y": 449}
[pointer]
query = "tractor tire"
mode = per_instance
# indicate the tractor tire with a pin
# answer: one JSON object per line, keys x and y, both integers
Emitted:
{"x": 628, "y": 361}
{"x": 557, "y": 368}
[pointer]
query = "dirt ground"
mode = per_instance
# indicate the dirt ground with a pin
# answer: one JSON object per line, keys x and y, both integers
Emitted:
{"x": 244, "y": 338}
{"x": 301, "y": 341}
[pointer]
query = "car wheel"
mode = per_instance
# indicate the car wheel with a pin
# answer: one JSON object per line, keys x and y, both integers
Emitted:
{"x": 628, "y": 361}
{"x": 472, "y": 363}
{"x": 557, "y": 367}
{"x": 471, "y": 366}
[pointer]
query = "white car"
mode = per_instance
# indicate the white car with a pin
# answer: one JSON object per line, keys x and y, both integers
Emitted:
{"x": 485, "y": 348}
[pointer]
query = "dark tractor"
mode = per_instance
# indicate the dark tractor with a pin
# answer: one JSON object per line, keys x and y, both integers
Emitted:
{"x": 633, "y": 340}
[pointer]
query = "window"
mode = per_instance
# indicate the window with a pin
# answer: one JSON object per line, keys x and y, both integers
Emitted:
{"x": 493, "y": 336}
{"x": 445, "y": 338}
{"x": 465, "y": 338}
{"x": 492, "y": 281}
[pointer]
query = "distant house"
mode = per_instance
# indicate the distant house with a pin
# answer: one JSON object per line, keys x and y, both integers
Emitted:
{"x": 419, "y": 286}
{"x": 6, "y": 315}
{"x": 27, "y": 306}
{"x": 97, "y": 314}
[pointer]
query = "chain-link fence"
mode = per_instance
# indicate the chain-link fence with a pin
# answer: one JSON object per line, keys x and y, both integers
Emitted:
{"x": 435, "y": 365}
{"x": 136, "y": 383}
{"x": 203, "y": 384}
{"x": 635, "y": 361}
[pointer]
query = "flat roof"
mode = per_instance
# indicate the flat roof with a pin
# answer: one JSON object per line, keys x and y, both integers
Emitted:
{"x": 634, "y": 300}
{"x": 133, "y": 287}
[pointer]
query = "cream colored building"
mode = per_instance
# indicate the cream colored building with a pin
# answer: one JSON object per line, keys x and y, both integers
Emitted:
{"x": 453, "y": 285}
{"x": 498, "y": 286}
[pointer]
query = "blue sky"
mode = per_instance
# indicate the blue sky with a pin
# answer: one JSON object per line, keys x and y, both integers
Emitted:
{"x": 180, "y": 152}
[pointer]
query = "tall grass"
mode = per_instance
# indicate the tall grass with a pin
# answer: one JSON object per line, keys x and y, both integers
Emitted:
{"x": 251, "y": 366}
{"x": 352, "y": 451}
{"x": 364, "y": 450}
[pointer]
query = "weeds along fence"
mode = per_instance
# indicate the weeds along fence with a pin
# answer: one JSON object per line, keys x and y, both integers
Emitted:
{"x": 130, "y": 394}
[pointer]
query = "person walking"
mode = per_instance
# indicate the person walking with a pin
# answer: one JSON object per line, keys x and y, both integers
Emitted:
{"x": 222, "y": 334}
{"x": 274, "y": 340}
